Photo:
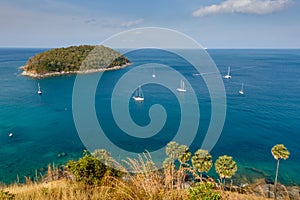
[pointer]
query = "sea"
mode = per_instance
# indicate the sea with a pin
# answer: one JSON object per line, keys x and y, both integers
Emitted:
{"x": 45, "y": 132}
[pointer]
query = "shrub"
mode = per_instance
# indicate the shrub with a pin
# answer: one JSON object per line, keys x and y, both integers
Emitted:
{"x": 203, "y": 191}
{"x": 89, "y": 169}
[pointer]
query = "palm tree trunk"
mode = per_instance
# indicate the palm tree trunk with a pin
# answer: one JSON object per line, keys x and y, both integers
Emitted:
{"x": 275, "y": 183}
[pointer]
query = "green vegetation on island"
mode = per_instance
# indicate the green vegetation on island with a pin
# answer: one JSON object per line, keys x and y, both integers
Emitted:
{"x": 74, "y": 59}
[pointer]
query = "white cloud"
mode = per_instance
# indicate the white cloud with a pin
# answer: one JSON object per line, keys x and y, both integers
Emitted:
{"x": 259, "y": 7}
{"x": 133, "y": 23}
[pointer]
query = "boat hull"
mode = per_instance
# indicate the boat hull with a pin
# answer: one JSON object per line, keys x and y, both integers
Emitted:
{"x": 181, "y": 90}
{"x": 138, "y": 98}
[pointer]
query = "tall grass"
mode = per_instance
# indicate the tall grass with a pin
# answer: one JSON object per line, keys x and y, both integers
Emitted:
{"x": 140, "y": 180}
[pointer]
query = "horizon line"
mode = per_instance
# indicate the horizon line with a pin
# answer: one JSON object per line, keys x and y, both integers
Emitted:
{"x": 204, "y": 48}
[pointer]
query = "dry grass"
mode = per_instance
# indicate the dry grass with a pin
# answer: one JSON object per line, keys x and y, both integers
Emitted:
{"x": 114, "y": 189}
{"x": 111, "y": 189}
{"x": 141, "y": 181}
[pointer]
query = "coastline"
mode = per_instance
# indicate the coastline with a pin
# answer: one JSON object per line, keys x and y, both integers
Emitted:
{"x": 50, "y": 74}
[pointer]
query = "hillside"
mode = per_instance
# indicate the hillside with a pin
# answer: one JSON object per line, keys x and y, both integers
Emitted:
{"x": 65, "y": 189}
{"x": 74, "y": 59}
{"x": 97, "y": 175}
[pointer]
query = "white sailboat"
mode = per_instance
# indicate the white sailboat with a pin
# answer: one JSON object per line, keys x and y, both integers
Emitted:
{"x": 228, "y": 74}
{"x": 182, "y": 87}
{"x": 153, "y": 73}
{"x": 138, "y": 96}
{"x": 39, "y": 89}
{"x": 242, "y": 89}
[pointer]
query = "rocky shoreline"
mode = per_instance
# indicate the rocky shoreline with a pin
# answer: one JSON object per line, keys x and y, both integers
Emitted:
{"x": 33, "y": 74}
{"x": 263, "y": 188}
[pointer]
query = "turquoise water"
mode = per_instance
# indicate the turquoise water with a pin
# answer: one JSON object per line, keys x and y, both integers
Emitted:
{"x": 268, "y": 113}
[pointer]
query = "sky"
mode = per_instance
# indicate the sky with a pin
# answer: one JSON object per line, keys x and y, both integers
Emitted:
{"x": 212, "y": 23}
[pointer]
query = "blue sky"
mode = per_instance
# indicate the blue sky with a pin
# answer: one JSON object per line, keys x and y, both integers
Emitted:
{"x": 213, "y": 23}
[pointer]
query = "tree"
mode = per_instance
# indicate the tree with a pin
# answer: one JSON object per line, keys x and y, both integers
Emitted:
{"x": 183, "y": 155}
{"x": 90, "y": 170}
{"x": 279, "y": 151}
{"x": 176, "y": 152}
{"x": 87, "y": 169}
{"x": 226, "y": 167}
{"x": 172, "y": 150}
{"x": 74, "y": 58}
{"x": 202, "y": 161}
{"x": 169, "y": 168}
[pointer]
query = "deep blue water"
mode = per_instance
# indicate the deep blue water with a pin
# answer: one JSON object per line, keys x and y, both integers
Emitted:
{"x": 268, "y": 113}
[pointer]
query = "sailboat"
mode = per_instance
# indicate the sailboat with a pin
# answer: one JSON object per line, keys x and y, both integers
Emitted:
{"x": 228, "y": 74}
{"x": 39, "y": 89}
{"x": 138, "y": 96}
{"x": 182, "y": 87}
{"x": 153, "y": 73}
{"x": 242, "y": 89}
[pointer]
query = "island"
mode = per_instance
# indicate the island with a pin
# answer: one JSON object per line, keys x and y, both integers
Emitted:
{"x": 74, "y": 60}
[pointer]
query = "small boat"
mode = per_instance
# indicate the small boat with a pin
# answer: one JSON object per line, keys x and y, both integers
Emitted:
{"x": 153, "y": 73}
{"x": 10, "y": 135}
{"x": 242, "y": 89}
{"x": 182, "y": 87}
{"x": 138, "y": 96}
{"x": 39, "y": 89}
{"x": 228, "y": 74}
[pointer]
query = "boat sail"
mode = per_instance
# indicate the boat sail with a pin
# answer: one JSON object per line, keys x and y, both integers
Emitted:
{"x": 39, "y": 89}
{"x": 182, "y": 87}
{"x": 138, "y": 96}
{"x": 242, "y": 89}
{"x": 228, "y": 74}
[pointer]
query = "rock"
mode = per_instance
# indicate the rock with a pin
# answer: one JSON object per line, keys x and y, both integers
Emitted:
{"x": 262, "y": 188}
{"x": 62, "y": 154}
{"x": 294, "y": 192}
{"x": 269, "y": 180}
{"x": 244, "y": 185}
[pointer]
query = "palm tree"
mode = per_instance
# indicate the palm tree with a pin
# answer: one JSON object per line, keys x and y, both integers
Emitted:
{"x": 168, "y": 166}
{"x": 183, "y": 155}
{"x": 172, "y": 152}
{"x": 202, "y": 161}
{"x": 177, "y": 152}
{"x": 279, "y": 151}
{"x": 226, "y": 167}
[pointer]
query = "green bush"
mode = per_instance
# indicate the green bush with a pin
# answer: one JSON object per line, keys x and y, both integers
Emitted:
{"x": 89, "y": 169}
{"x": 203, "y": 191}
{"x": 75, "y": 58}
